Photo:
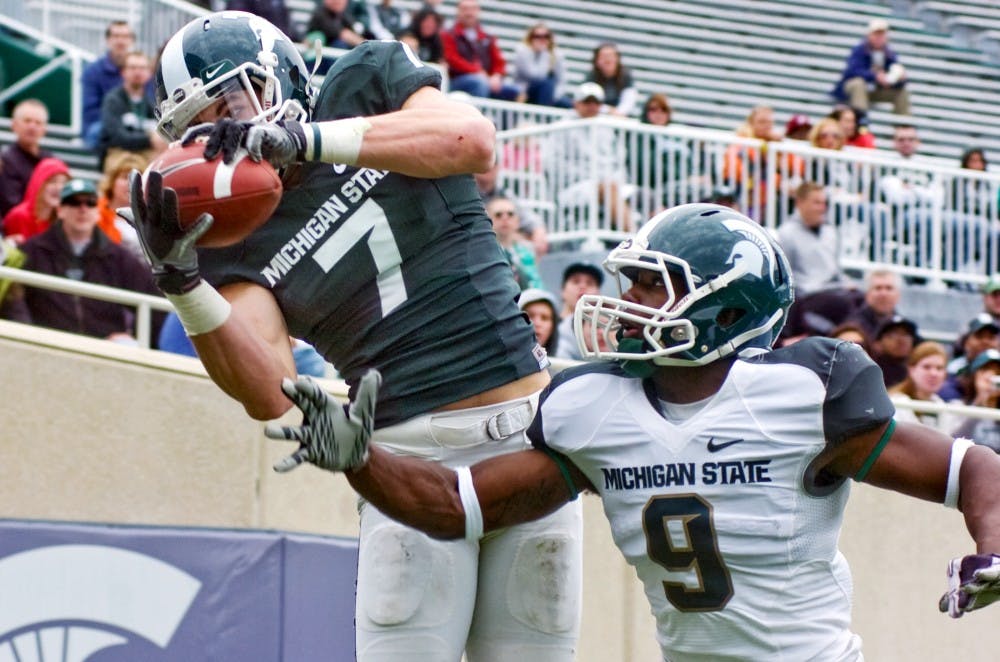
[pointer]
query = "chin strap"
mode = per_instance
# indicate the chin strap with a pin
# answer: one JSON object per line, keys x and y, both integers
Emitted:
{"x": 640, "y": 369}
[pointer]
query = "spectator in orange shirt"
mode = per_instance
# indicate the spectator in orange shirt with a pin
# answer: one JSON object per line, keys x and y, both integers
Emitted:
{"x": 113, "y": 192}
{"x": 760, "y": 125}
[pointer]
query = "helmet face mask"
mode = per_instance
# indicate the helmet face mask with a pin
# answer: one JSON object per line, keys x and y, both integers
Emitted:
{"x": 727, "y": 287}
{"x": 235, "y": 63}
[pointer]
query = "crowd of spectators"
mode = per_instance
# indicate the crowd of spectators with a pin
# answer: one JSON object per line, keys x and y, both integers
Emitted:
{"x": 39, "y": 211}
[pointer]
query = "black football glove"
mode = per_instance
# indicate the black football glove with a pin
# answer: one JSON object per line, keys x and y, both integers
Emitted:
{"x": 168, "y": 247}
{"x": 332, "y": 436}
{"x": 280, "y": 144}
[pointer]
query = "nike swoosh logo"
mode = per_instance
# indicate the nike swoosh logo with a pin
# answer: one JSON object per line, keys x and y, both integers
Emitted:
{"x": 715, "y": 448}
{"x": 210, "y": 73}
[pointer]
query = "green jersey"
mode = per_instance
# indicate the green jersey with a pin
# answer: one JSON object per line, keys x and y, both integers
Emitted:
{"x": 381, "y": 270}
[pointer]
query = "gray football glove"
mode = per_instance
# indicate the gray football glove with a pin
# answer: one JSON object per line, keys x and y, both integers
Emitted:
{"x": 332, "y": 436}
{"x": 280, "y": 143}
{"x": 973, "y": 583}
{"x": 169, "y": 248}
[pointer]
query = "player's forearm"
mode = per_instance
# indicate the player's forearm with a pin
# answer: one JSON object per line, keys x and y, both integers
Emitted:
{"x": 420, "y": 494}
{"x": 246, "y": 367}
{"x": 428, "y": 143}
{"x": 979, "y": 498}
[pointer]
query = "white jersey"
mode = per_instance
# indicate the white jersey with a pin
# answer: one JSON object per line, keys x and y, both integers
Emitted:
{"x": 731, "y": 531}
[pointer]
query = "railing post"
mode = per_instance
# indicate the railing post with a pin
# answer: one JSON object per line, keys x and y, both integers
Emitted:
{"x": 770, "y": 219}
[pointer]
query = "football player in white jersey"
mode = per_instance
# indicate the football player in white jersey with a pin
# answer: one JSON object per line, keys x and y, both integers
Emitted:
{"x": 723, "y": 466}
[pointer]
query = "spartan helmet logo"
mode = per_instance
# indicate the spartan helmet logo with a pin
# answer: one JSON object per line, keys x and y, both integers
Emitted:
{"x": 753, "y": 254}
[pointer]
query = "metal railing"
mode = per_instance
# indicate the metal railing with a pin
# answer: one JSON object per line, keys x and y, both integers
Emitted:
{"x": 80, "y": 23}
{"x": 144, "y": 304}
{"x": 593, "y": 181}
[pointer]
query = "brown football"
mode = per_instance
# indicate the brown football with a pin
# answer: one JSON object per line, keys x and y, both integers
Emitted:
{"x": 240, "y": 196}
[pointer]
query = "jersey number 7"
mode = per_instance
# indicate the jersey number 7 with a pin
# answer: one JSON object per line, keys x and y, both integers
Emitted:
{"x": 369, "y": 223}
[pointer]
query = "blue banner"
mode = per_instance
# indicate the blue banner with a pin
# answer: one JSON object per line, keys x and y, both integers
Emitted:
{"x": 103, "y": 593}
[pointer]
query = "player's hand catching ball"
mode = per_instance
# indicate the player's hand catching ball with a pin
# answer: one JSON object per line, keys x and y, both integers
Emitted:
{"x": 169, "y": 248}
{"x": 973, "y": 583}
{"x": 280, "y": 144}
{"x": 332, "y": 436}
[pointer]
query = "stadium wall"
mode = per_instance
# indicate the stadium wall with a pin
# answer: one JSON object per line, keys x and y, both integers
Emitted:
{"x": 97, "y": 432}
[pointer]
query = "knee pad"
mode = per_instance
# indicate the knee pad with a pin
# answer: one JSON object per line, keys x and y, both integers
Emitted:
{"x": 543, "y": 591}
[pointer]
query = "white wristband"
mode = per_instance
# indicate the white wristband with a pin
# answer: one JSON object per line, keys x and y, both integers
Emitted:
{"x": 336, "y": 141}
{"x": 958, "y": 450}
{"x": 201, "y": 310}
{"x": 470, "y": 502}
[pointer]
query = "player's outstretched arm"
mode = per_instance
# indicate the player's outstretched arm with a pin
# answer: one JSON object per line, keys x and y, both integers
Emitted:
{"x": 431, "y": 136}
{"x": 508, "y": 489}
{"x": 442, "y": 502}
{"x": 924, "y": 463}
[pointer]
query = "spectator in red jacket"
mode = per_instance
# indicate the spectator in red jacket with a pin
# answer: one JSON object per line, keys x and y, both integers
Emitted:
{"x": 855, "y": 130}
{"x": 475, "y": 64}
{"x": 38, "y": 207}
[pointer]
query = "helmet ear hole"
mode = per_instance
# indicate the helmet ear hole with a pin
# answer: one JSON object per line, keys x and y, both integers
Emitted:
{"x": 729, "y": 316}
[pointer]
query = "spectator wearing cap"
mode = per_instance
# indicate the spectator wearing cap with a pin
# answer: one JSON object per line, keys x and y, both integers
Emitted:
{"x": 590, "y": 160}
{"x": 873, "y": 73}
{"x": 883, "y": 289}
{"x": 983, "y": 333}
{"x": 542, "y": 310}
{"x": 74, "y": 247}
{"x": 891, "y": 347}
{"x": 991, "y": 297}
{"x": 579, "y": 278}
{"x": 985, "y": 392}
{"x": 798, "y": 127}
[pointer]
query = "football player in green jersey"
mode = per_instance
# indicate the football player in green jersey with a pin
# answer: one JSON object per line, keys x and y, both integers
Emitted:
{"x": 381, "y": 256}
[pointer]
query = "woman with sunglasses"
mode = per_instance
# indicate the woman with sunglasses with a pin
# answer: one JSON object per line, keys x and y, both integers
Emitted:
{"x": 540, "y": 68}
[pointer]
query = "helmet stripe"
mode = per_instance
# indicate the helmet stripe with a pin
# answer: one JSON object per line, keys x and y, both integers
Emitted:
{"x": 172, "y": 65}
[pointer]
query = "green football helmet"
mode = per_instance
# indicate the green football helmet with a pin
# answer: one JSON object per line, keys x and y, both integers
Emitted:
{"x": 233, "y": 56}
{"x": 738, "y": 281}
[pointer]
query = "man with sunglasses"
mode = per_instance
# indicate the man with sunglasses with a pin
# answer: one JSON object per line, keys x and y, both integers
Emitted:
{"x": 74, "y": 247}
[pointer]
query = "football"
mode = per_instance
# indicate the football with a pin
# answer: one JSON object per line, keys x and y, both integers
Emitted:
{"x": 240, "y": 196}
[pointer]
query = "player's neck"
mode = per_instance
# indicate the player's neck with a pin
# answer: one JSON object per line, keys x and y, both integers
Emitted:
{"x": 690, "y": 384}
